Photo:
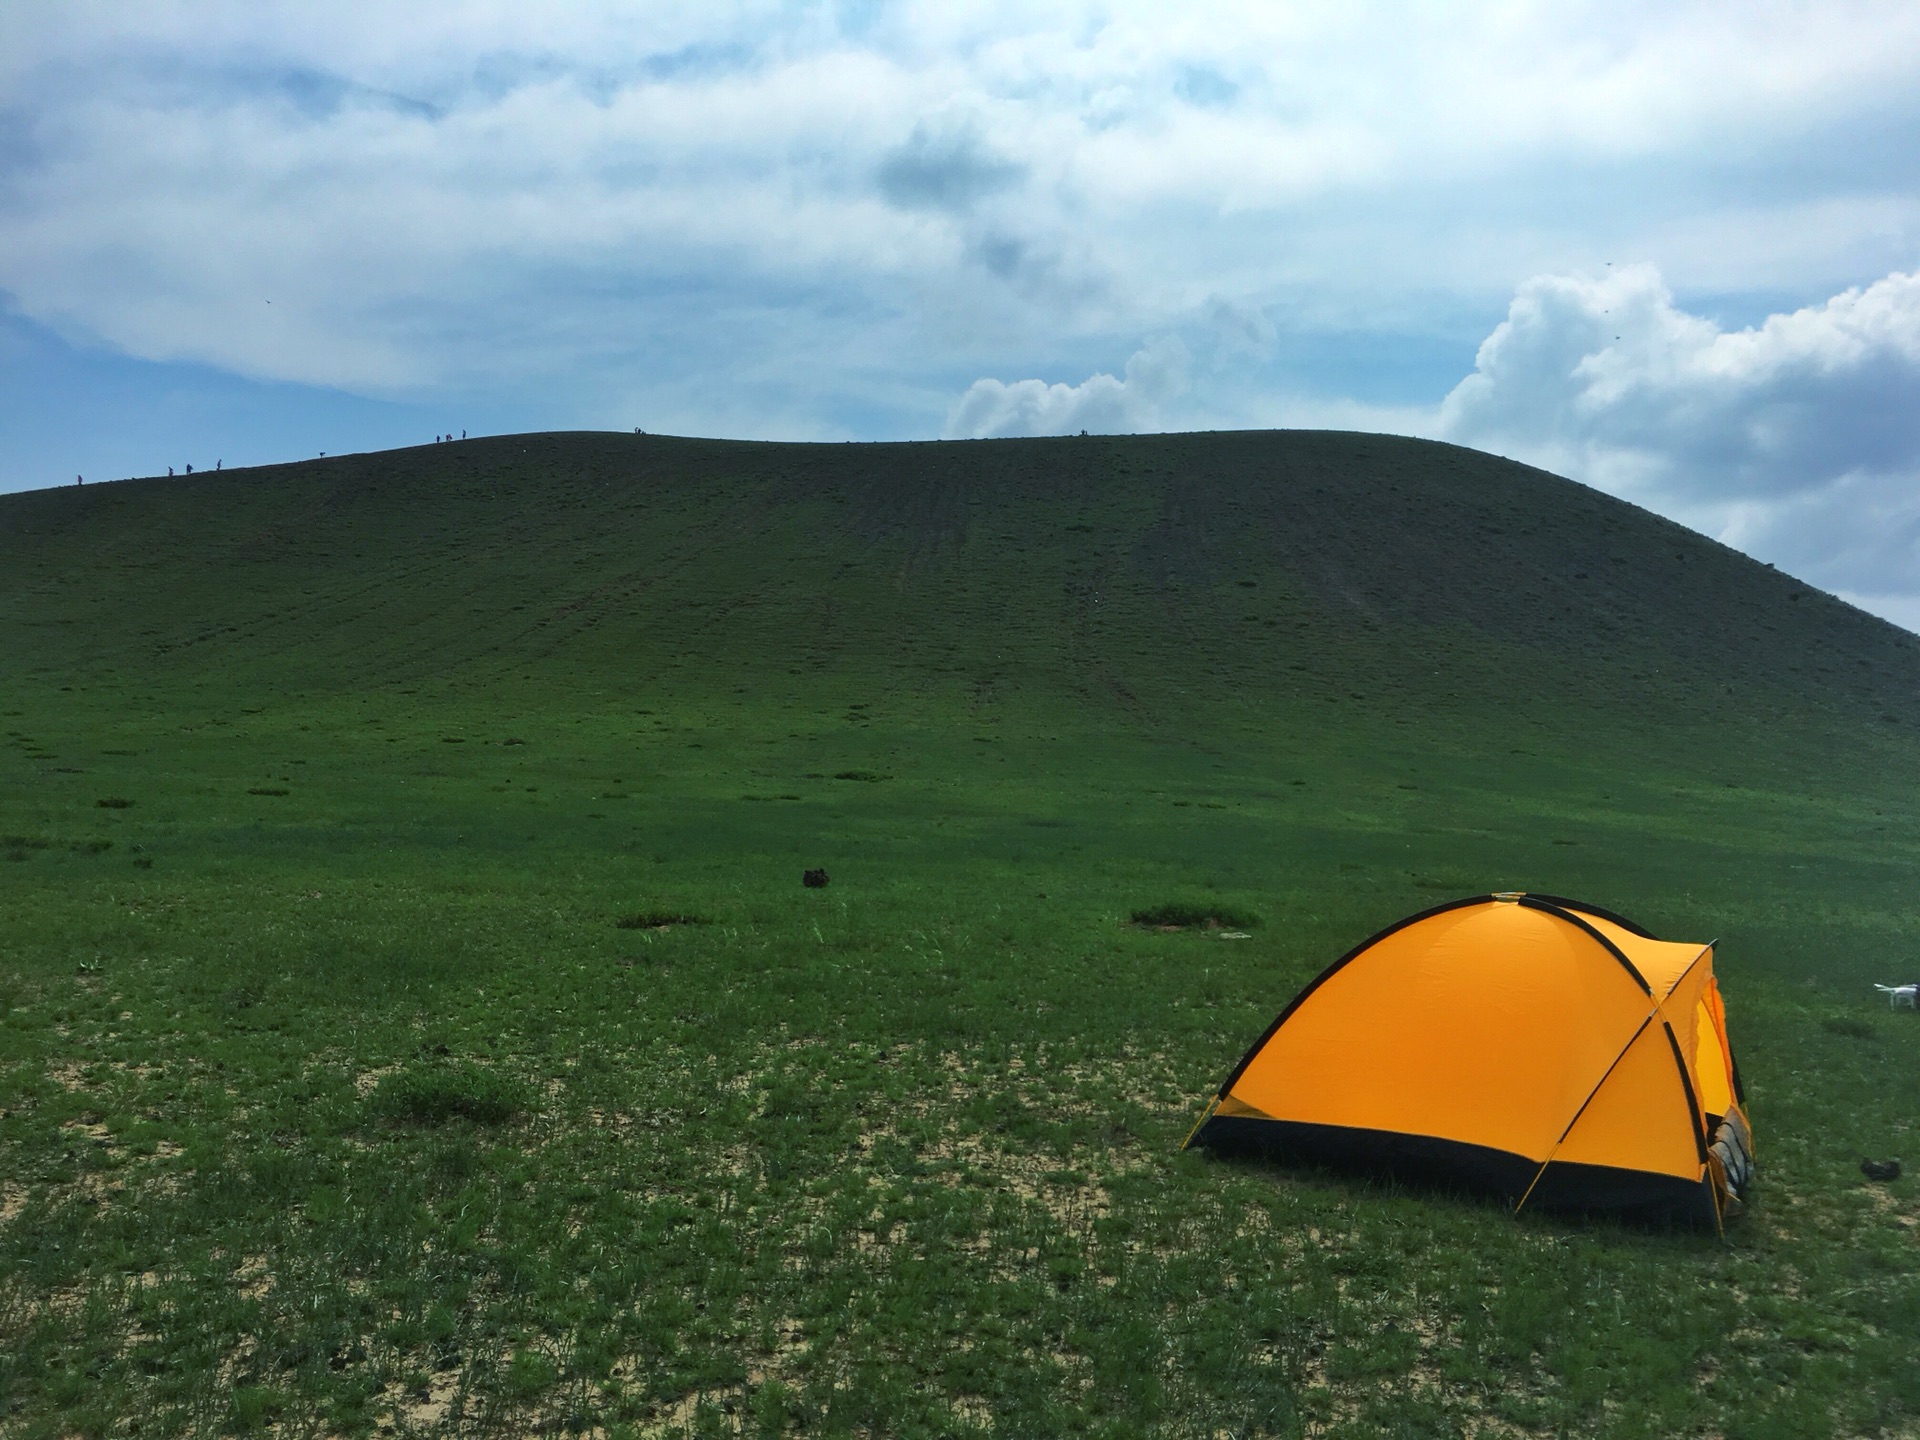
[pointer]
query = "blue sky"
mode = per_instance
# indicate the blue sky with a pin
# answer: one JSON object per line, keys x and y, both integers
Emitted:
{"x": 1667, "y": 249}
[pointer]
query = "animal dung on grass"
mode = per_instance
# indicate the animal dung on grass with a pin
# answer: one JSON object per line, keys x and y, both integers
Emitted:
{"x": 1544, "y": 1049}
{"x": 814, "y": 879}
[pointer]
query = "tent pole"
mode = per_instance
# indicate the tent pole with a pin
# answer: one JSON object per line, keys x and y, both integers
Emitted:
{"x": 1583, "y": 1108}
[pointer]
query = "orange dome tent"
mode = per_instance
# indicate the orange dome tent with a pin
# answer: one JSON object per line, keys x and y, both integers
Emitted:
{"x": 1539, "y": 1047}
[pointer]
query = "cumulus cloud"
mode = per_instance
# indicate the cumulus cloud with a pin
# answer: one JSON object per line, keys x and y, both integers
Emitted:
{"x": 1100, "y": 404}
{"x": 458, "y": 193}
{"x": 1797, "y": 439}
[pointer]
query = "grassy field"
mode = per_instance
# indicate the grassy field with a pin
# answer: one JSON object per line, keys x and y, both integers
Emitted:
{"x": 412, "y": 1018}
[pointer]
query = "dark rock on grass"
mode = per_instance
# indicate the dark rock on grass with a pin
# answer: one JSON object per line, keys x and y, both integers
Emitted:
{"x": 1880, "y": 1169}
{"x": 439, "y": 1093}
{"x": 814, "y": 879}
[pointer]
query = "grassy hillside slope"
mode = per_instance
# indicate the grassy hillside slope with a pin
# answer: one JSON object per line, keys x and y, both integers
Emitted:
{"x": 356, "y": 1074}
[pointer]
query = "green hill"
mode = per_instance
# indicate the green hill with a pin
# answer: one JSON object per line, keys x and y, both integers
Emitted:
{"x": 1284, "y": 563}
{"x": 413, "y": 1014}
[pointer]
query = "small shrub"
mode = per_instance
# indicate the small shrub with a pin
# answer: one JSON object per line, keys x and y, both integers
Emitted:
{"x": 1180, "y": 916}
{"x": 440, "y": 1093}
{"x": 113, "y": 802}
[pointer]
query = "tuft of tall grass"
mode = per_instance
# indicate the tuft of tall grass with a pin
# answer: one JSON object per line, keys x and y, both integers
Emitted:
{"x": 445, "y": 1091}
{"x": 658, "y": 920}
{"x": 1181, "y": 915}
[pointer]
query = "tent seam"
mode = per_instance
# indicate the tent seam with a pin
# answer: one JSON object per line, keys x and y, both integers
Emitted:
{"x": 1598, "y": 1086}
{"x": 1328, "y": 973}
{"x": 1533, "y": 902}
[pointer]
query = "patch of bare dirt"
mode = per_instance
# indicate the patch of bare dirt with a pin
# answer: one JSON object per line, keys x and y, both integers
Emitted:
{"x": 426, "y": 1404}
{"x": 252, "y": 1278}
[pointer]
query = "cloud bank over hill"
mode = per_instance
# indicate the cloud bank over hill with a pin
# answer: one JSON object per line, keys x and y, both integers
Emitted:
{"x": 1101, "y": 405}
{"x": 844, "y": 220}
{"x": 1797, "y": 439}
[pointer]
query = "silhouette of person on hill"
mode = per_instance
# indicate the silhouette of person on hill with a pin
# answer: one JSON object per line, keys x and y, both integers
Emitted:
{"x": 169, "y": 470}
{"x": 79, "y": 479}
{"x": 189, "y": 469}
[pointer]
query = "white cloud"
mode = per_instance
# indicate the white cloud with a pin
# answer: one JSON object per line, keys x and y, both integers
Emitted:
{"x": 471, "y": 193}
{"x": 1797, "y": 439}
{"x": 1101, "y": 404}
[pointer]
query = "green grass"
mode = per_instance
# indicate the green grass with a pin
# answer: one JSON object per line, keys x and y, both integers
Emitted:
{"x": 438, "y": 1034}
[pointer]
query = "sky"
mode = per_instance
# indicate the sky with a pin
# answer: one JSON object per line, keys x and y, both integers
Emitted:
{"x": 1668, "y": 249}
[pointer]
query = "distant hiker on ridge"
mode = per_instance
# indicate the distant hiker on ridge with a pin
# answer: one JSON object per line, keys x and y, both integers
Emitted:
{"x": 79, "y": 479}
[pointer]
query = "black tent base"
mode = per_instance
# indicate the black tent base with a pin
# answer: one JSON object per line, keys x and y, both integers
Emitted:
{"x": 1449, "y": 1164}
